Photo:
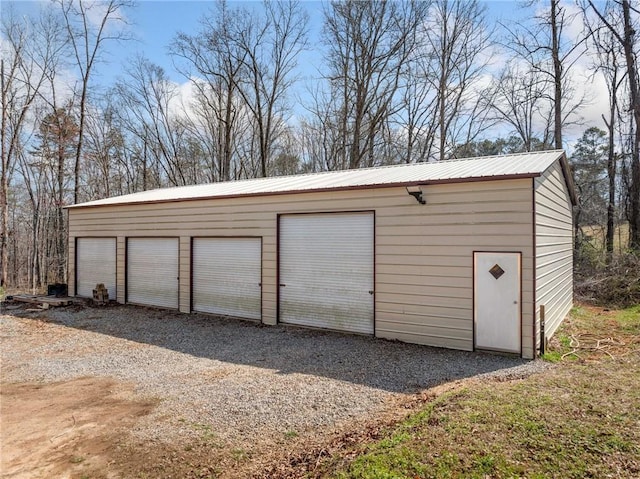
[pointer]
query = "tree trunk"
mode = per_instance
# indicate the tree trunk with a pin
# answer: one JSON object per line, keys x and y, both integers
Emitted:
{"x": 35, "y": 270}
{"x": 225, "y": 166}
{"x": 4, "y": 242}
{"x": 76, "y": 166}
{"x": 354, "y": 156}
{"x": 557, "y": 76}
{"x": 4, "y": 189}
{"x": 60, "y": 236}
{"x": 611, "y": 207}
{"x": 442, "y": 88}
{"x": 611, "y": 175}
{"x": 632, "y": 74}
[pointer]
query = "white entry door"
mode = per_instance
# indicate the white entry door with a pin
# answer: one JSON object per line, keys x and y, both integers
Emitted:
{"x": 152, "y": 271}
{"x": 497, "y": 309}
{"x": 326, "y": 271}
{"x": 227, "y": 276}
{"x": 95, "y": 263}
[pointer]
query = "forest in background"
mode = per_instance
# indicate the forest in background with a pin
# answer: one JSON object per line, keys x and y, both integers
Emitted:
{"x": 400, "y": 82}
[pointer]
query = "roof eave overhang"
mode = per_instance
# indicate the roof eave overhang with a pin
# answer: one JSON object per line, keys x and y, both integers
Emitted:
{"x": 316, "y": 190}
{"x": 568, "y": 178}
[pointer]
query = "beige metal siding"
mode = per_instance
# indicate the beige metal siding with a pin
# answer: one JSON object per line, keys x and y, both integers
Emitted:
{"x": 554, "y": 250}
{"x": 424, "y": 253}
{"x": 424, "y": 263}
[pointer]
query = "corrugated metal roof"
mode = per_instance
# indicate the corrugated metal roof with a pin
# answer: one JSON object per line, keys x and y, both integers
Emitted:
{"x": 467, "y": 169}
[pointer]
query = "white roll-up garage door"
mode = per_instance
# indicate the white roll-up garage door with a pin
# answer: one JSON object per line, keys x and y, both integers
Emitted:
{"x": 227, "y": 276}
{"x": 326, "y": 271}
{"x": 152, "y": 271}
{"x": 95, "y": 263}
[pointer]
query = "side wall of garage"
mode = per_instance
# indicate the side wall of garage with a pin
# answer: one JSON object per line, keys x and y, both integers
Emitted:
{"x": 423, "y": 253}
{"x": 554, "y": 249}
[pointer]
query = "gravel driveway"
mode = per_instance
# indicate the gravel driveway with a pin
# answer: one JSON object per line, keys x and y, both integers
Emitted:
{"x": 238, "y": 378}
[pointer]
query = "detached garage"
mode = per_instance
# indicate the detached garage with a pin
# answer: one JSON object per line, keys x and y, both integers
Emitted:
{"x": 459, "y": 254}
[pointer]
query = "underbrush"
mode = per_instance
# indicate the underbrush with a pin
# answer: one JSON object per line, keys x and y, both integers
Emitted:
{"x": 613, "y": 283}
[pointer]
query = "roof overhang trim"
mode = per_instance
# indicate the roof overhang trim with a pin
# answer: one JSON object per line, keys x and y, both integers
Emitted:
{"x": 315, "y": 190}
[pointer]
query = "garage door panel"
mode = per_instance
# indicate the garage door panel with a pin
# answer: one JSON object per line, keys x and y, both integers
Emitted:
{"x": 96, "y": 263}
{"x": 342, "y": 313}
{"x": 326, "y": 271}
{"x": 152, "y": 271}
{"x": 227, "y": 274}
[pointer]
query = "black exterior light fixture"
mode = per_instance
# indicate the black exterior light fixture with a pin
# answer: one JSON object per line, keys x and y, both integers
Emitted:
{"x": 416, "y": 192}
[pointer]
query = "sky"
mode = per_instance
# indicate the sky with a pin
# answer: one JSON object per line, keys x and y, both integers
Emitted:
{"x": 154, "y": 25}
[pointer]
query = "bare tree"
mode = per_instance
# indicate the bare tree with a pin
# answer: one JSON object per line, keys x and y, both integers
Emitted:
{"x": 34, "y": 183}
{"x": 56, "y": 139}
{"x": 147, "y": 96}
{"x": 607, "y": 62}
{"x": 243, "y": 62}
{"x": 458, "y": 43}
{"x": 105, "y": 152}
{"x": 31, "y": 49}
{"x": 547, "y": 49}
{"x": 89, "y": 26}
{"x": 624, "y": 32}
{"x": 416, "y": 119}
{"x": 369, "y": 44}
{"x": 320, "y": 132}
{"x": 215, "y": 65}
{"x": 268, "y": 48}
{"x": 521, "y": 101}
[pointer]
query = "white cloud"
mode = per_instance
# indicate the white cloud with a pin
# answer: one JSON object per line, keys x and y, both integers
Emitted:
{"x": 97, "y": 10}
{"x": 182, "y": 104}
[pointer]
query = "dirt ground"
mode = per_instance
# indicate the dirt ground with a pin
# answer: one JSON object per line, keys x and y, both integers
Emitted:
{"x": 134, "y": 393}
{"x": 65, "y": 429}
{"x": 78, "y": 429}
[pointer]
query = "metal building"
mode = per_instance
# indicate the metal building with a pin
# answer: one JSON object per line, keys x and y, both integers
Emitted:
{"x": 459, "y": 254}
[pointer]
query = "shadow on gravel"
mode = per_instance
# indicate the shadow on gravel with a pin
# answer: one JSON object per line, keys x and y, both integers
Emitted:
{"x": 387, "y": 365}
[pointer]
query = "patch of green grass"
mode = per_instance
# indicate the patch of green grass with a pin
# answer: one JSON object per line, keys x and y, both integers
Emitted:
{"x": 579, "y": 418}
{"x": 552, "y": 356}
{"x": 394, "y": 440}
{"x": 578, "y": 312}
{"x": 565, "y": 341}
{"x": 207, "y": 436}
{"x": 239, "y": 454}
{"x": 562, "y": 345}
{"x": 629, "y": 319}
{"x": 402, "y": 463}
{"x": 290, "y": 434}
